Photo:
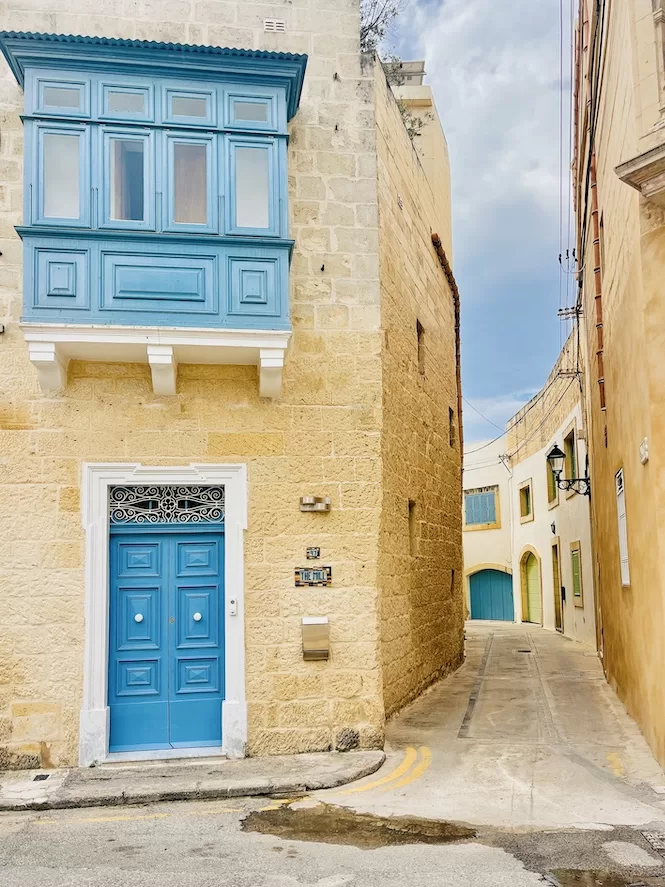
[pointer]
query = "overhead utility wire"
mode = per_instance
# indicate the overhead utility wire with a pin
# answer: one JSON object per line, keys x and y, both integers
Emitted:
{"x": 476, "y": 410}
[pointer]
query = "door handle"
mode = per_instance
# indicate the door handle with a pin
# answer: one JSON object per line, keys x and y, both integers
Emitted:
{"x": 197, "y": 617}
{"x": 138, "y": 617}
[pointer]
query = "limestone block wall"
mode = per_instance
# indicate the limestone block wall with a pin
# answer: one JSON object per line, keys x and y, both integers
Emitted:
{"x": 534, "y": 426}
{"x": 322, "y": 437}
{"x": 421, "y": 561}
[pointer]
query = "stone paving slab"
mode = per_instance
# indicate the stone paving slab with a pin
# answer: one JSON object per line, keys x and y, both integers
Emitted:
{"x": 110, "y": 785}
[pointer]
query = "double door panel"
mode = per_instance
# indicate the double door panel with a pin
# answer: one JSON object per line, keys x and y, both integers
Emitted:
{"x": 166, "y": 643}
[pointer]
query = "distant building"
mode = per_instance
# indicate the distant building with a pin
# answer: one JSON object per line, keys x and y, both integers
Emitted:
{"x": 619, "y": 191}
{"x": 527, "y": 544}
{"x": 229, "y": 436}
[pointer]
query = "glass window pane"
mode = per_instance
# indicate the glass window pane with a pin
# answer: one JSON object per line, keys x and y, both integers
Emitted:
{"x": 61, "y": 176}
{"x": 252, "y": 197}
{"x": 127, "y": 174}
{"x": 190, "y": 184}
{"x": 256, "y": 111}
{"x": 126, "y": 102}
{"x": 62, "y": 97}
{"x": 184, "y": 106}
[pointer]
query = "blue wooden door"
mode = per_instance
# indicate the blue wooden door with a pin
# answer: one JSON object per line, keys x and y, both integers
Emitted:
{"x": 492, "y": 595}
{"x": 166, "y": 642}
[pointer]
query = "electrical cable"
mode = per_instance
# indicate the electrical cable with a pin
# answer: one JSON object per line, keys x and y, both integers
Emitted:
{"x": 476, "y": 410}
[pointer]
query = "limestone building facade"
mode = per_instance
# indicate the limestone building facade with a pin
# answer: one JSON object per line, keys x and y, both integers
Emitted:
{"x": 618, "y": 189}
{"x": 221, "y": 300}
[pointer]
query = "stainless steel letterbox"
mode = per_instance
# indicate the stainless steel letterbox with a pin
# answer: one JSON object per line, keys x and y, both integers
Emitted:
{"x": 315, "y": 637}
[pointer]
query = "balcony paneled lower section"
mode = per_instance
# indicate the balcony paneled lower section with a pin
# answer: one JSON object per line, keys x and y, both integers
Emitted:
{"x": 209, "y": 301}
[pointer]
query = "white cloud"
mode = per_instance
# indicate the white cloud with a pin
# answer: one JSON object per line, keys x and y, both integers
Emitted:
{"x": 494, "y": 68}
{"x": 496, "y": 412}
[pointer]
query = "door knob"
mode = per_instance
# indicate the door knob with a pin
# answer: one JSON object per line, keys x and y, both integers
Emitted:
{"x": 138, "y": 617}
{"x": 197, "y": 617}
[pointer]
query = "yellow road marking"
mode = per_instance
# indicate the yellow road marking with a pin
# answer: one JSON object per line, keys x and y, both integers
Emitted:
{"x": 615, "y": 763}
{"x": 410, "y": 758}
{"x": 276, "y": 803}
{"x": 418, "y": 770}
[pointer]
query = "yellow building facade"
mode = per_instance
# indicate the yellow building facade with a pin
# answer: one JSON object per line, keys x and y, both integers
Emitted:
{"x": 364, "y": 413}
{"x": 618, "y": 189}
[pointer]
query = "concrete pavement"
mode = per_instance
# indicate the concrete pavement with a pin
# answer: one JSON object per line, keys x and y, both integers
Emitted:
{"x": 195, "y": 779}
{"x": 526, "y": 733}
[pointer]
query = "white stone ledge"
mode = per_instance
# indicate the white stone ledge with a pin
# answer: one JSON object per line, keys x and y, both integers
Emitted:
{"x": 646, "y": 173}
{"x": 52, "y": 346}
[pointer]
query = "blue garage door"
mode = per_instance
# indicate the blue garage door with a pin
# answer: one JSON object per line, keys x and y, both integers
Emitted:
{"x": 492, "y": 595}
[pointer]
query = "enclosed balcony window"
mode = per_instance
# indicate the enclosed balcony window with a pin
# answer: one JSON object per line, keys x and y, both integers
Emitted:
{"x": 61, "y": 97}
{"x": 251, "y": 111}
{"x": 189, "y": 106}
{"x": 126, "y": 102}
{"x": 190, "y": 169}
{"x": 62, "y": 173}
{"x": 252, "y": 194}
{"x": 127, "y": 180}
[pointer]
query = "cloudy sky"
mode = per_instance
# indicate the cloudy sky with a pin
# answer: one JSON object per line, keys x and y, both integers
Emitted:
{"x": 495, "y": 71}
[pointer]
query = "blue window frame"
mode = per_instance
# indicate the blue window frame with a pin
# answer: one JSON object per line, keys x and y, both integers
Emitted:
{"x": 255, "y": 112}
{"x": 58, "y": 98}
{"x": 61, "y": 175}
{"x": 127, "y": 180}
{"x": 189, "y": 107}
{"x": 126, "y": 102}
{"x": 253, "y": 197}
{"x": 189, "y": 193}
{"x": 480, "y": 508}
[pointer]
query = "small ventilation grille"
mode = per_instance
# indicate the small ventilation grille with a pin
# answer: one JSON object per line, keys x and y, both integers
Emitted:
{"x": 274, "y": 25}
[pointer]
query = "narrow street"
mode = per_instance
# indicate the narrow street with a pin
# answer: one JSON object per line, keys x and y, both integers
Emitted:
{"x": 526, "y": 733}
{"x": 516, "y": 770}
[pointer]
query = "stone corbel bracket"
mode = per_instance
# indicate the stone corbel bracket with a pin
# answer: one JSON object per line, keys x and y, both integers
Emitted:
{"x": 646, "y": 173}
{"x": 52, "y": 346}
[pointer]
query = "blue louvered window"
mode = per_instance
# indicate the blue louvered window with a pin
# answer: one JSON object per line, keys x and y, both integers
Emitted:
{"x": 480, "y": 508}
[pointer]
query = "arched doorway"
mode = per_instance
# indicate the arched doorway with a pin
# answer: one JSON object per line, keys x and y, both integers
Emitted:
{"x": 532, "y": 606}
{"x": 491, "y": 595}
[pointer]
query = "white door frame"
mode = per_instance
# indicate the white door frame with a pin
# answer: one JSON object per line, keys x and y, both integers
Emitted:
{"x": 97, "y": 478}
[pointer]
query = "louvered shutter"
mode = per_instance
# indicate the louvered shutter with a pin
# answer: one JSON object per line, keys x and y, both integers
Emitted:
{"x": 577, "y": 578}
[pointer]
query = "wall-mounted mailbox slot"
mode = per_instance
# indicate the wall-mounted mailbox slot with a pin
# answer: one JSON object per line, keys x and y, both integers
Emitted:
{"x": 315, "y": 637}
{"x": 315, "y": 503}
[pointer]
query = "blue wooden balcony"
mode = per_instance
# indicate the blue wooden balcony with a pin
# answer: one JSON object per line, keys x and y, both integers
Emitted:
{"x": 155, "y": 204}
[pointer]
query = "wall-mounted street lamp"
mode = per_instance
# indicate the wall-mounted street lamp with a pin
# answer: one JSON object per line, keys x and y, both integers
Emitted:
{"x": 557, "y": 460}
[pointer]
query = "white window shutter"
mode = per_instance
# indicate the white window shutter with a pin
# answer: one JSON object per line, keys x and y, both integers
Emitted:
{"x": 623, "y": 529}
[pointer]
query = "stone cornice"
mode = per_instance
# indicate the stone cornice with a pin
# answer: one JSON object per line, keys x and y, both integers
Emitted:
{"x": 646, "y": 173}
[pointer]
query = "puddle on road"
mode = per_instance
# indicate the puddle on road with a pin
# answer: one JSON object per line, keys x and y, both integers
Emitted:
{"x": 577, "y": 878}
{"x": 328, "y": 824}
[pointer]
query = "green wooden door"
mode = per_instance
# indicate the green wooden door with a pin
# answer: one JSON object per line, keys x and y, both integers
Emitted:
{"x": 532, "y": 574}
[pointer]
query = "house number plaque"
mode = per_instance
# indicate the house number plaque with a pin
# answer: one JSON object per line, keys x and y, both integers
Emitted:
{"x": 313, "y": 576}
